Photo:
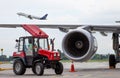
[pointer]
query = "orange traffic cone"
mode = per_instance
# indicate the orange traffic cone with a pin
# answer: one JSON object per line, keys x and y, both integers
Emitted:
{"x": 72, "y": 67}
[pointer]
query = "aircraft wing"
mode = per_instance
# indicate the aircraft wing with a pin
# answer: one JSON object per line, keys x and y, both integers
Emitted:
{"x": 54, "y": 26}
{"x": 101, "y": 28}
{"x": 10, "y": 25}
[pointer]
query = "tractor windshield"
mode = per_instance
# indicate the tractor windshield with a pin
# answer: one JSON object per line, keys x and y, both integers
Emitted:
{"x": 42, "y": 43}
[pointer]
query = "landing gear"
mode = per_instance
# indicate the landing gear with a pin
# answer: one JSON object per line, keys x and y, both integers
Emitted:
{"x": 112, "y": 61}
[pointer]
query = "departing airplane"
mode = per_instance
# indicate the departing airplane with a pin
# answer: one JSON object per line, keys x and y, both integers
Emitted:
{"x": 79, "y": 44}
{"x": 32, "y": 17}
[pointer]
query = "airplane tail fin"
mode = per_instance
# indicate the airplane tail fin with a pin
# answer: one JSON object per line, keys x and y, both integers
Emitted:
{"x": 44, "y": 17}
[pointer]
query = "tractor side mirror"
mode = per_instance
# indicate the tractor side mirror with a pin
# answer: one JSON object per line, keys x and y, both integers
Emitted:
{"x": 16, "y": 46}
{"x": 17, "y": 40}
{"x": 52, "y": 43}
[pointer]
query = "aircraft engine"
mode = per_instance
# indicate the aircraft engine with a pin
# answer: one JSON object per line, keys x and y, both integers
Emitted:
{"x": 79, "y": 45}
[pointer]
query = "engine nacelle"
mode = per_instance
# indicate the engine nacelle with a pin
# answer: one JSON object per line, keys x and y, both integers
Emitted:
{"x": 79, "y": 45}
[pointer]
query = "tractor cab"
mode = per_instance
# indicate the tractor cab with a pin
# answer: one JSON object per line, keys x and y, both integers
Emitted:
{"x": 31, "y": 45}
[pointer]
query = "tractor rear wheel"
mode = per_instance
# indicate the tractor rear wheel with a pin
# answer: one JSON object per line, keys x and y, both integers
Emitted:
{"x": 39, "y": 69}
{"x": 19, "y": 67}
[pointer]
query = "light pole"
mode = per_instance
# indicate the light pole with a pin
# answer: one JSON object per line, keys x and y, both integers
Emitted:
{"x": 1, "y": 51}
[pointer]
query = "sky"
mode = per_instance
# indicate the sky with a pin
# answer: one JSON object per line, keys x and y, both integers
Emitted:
{"x": 59, "y": 12}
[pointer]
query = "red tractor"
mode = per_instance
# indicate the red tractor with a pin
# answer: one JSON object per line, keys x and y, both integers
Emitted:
{"x": 34, "y": 52}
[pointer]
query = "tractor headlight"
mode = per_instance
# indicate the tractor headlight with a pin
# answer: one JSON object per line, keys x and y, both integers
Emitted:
{"x": 54, "y": 54}
{"x": 58, "y": 54}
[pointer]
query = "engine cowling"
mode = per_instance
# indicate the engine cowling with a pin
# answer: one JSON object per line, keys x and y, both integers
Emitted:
{"x": 79, "y": 45}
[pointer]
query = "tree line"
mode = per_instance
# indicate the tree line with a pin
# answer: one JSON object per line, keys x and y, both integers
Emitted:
{"x": 5, "y": 58}
{"x": 95, "y": 57}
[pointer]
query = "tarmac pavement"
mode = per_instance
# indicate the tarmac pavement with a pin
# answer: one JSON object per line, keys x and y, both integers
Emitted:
{"x": 83, "y": 70}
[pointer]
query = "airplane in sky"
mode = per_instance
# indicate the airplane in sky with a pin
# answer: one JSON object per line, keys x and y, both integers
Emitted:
{"x": 32, "y": 17}
{"x": 79, "y": 44}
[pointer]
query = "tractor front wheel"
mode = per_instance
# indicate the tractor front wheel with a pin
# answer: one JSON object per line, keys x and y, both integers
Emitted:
{"x": 59, "y": 68}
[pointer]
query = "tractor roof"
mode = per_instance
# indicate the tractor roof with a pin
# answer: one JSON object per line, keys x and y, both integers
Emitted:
{"x": 35, "y": 31}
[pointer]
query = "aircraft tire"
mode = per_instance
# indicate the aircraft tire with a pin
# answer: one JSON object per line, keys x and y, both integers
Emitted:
{"x": 112, "y": 61}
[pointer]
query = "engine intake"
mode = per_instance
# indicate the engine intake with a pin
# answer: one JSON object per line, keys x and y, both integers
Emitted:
{"x": 79, "y": 45}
